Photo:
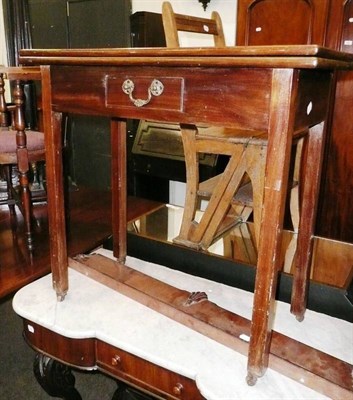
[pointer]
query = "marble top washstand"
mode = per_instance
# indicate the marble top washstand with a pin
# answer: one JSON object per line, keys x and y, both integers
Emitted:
{"x": 94, "y": 310}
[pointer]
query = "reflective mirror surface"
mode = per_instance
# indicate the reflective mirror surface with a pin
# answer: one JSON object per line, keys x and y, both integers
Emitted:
{"x": 332, "y": 260}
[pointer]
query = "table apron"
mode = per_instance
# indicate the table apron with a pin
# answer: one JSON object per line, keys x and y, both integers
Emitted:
{"x": 235, "y": 97}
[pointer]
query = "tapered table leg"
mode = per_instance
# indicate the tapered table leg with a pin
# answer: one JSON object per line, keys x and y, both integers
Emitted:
{"x": 315, "y": 149}
{"x": 119, "y": 194}
{"x": 284, "y": 90}
{"x": 55, "y": 189}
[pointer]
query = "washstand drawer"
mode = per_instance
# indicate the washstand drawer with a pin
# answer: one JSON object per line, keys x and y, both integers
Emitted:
{"x": 145, "y": 375}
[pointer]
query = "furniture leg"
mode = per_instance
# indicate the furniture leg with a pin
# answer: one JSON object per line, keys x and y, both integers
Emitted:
{"x": 23, "y": 164}
{"x": 220, "y": 203}
{"x": 8, "y": 177}
{"x": 256, "y": 165}
{"x": 294, "y": 205}
{"x": 200, "y": 234}
{"x": 311, "y": 183}
{"x": 55, "y": 378}
{"x": 277, "y": 169}
{"x": 119, "y": 191}
{"x": 192, "y": 178}
{"x": 55, "y": 188}
{"x": 249, "y": 244}
{"x": 37, "y": 183}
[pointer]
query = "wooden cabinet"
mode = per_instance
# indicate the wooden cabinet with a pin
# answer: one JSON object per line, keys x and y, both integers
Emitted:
{"x": 335, "y": 218}
{"x": 83, "y": 24}
{"x": 328, "y": 23}
{"x": 79, "y": 23}
{"x": 147, "y": 30}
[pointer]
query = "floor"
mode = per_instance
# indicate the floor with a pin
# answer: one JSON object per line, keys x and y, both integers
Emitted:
{"x": 89, "y": 226}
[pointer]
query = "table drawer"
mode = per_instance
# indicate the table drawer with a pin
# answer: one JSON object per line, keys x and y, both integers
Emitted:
{"x": 150, "y": 92}
{"x": 144, "y": 374}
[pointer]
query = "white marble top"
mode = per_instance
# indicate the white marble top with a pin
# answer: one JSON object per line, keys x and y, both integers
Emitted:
{"x": 93, "y": 310}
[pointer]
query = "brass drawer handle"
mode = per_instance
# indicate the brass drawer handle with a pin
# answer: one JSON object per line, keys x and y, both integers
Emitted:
{"x": 156, "y": 89}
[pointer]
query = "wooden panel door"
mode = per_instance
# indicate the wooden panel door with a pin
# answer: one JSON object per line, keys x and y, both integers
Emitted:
{"x": 328, "y": 23}
{"x": 335, "y": 218}
{"x": 271, "y": 22}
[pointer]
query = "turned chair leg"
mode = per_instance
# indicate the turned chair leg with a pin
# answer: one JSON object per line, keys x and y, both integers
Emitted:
{"x": 8, "y": 178}
{"x": 23, "y": 163}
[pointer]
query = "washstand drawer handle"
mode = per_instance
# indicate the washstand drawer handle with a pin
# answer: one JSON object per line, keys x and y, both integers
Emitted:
{"x": 156, "y": 89}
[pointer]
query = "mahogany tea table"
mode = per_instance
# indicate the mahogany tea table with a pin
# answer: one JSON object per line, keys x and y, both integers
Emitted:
{"x": 281, "y": 90}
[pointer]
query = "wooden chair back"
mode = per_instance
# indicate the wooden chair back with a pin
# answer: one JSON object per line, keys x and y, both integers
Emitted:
{"x": 19, "y": 146}
{"x": 174, "y": 23}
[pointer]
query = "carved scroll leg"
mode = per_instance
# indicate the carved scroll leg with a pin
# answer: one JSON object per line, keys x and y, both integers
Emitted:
{"x": 307, "y": 220}
{"x": 120, "y": 392}
{"x": 55, "y": 378}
